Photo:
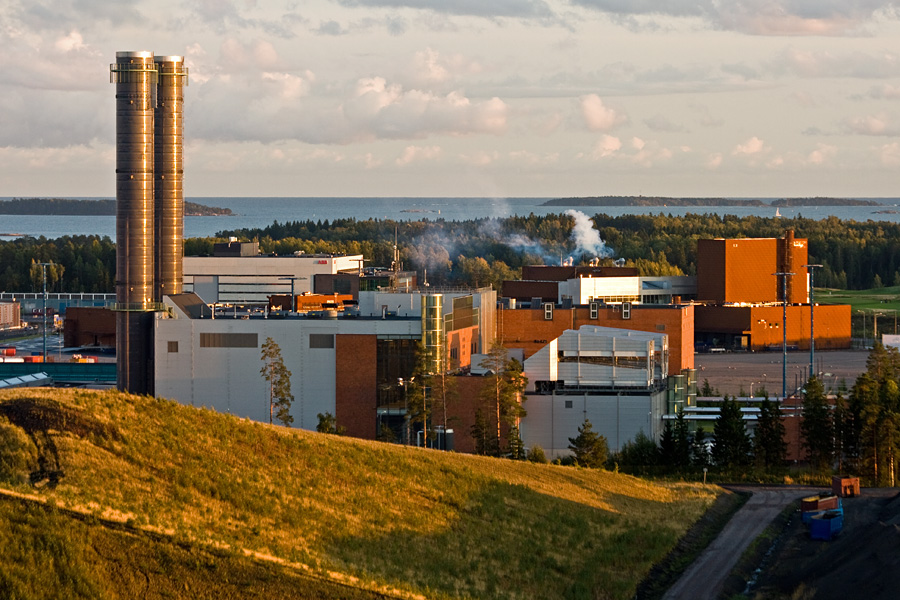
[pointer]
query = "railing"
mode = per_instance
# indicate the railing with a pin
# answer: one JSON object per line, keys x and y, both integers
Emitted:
{"x": 137, "y": 307}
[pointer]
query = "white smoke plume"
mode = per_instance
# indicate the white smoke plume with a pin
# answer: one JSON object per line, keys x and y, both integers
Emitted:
{"x": 587, "y": 239}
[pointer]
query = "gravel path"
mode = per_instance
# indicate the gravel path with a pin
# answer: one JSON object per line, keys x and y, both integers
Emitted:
{"x": 705, "y": 578}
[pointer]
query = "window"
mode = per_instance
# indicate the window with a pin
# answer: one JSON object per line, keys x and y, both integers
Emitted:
{"x": 548, "y": 311}
{"x": 626, "y": 310}
{"x": 321, "y": 340}
{"x": 173, "y": 346}
{"x": 595, "y": 310}
{"x": 229, "y": 340}
{"x": 660, "y": 327}
{"x": 568, "y": 404}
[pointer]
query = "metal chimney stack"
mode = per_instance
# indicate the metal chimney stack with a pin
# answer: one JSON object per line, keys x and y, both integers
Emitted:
{"x": 138, "y": 223}
{"x": 169, "y": 168}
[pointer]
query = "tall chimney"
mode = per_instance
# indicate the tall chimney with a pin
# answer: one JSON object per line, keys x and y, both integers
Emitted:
{"x": 169, "y": 168}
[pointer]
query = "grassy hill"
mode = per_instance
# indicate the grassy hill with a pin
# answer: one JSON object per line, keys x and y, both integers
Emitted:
{"x": 207, "y": 495}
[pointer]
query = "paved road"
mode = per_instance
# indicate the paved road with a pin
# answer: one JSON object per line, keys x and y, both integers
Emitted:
{"x": 705, "y": 578}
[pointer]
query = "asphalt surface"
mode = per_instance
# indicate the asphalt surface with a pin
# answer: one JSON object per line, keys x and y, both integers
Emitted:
{"x": 705, "y": 578}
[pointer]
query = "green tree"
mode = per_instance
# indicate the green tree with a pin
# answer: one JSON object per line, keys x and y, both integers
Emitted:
{"x": 279, "y": 378}
{"x": 682, "y": 439}
{"x": 666, "y": 452}
{"x": 639, "y": 452}
{"x": 769, "y": 446}
{"x": 502, "y": 389}
{"x": 817, "y": 427}
{"x": 589, "y": 447}
{"x": 731, "y": 443}
{"x": 537, "y": 455}
{"x": 515, "y": 448}
{"x": 328, "y": 424}
{"x": 700, "y": 448}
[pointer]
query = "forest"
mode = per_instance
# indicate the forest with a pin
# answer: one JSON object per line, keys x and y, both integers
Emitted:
{"x": 70, "y": 206}
{"x": 855, "y": 254}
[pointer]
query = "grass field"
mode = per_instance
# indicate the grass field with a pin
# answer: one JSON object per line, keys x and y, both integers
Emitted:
{"x": 380, "y": 516}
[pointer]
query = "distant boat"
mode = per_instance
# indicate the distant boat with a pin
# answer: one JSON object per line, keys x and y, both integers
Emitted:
{"x": 777, "y": 212}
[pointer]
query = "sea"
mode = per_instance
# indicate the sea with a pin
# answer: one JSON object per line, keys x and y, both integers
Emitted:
{"x": 261, "y": 212}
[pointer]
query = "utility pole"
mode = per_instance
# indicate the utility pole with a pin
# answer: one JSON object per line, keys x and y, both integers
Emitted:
{"x": 812, "y": 319}
{"x": 784, "y": 275}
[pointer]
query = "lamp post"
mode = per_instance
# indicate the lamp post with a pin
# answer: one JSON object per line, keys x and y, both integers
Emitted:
{"x": 44, "y": 312}
{"x": 784, "y": 275}
{"x": 404, "y": 383}
{"x": 864, "y": 327}
{"x": 812, "y": 319}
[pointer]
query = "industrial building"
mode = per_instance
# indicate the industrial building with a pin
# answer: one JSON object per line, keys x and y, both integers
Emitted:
{"x": 615, "y": 378}
{"x": 237, "y": 273}
{"x": 348, "y": 364}
{"x": 755, "y": 295}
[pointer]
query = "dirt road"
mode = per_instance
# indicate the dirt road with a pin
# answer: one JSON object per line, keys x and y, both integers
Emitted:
{"x": 705, "y": 578}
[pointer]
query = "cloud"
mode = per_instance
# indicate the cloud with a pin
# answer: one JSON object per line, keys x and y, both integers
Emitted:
{"x": 714, "y": 161}
{"x": 607, "y": 145}
{"x": 772, "y": 17}
{"x": 752, "y": 146}
{"x": 879, "y": 124}
{"x": 890, "y": 154}
{"x": 662, "y": 123}
{"x": 524, "y": 9}
{"x": 885, "y": 92}
{"x": 821, "y": 155}
{"x": 330, "y": 28}
{"x": 599, "y": 117}
{"x": 797, "y": 62}
{"x": 418, "y": 154}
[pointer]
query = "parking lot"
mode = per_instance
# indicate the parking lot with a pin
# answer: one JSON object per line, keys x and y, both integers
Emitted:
{"x": 729, "y": 372}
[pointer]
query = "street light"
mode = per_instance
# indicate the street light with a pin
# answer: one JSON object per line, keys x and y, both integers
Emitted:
{"x": 44, "y": 313}
{"x": 864, "y": 327}
{"x": 401, "y": 381}
{"x": 812, "y": 320}
{"x": 784, "y": 275}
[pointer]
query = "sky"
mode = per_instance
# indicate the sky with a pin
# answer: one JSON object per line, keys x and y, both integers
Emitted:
{"x": 459, "y": 98}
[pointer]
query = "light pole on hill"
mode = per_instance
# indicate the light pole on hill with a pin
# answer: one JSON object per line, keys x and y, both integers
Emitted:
{"x": 784, "y": 275}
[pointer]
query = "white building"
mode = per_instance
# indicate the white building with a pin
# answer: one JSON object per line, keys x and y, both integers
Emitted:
{"x": 348, "y": 366}
{"x": 615, "y": 378}
{"x": 252, "y": 279}
{"x": 581, "y": 291}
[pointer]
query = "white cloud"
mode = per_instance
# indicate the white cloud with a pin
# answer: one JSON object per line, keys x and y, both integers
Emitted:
{"x": 417, "y": 154}
{"x": 714, "y": 161}
{"x": 880, "y": 124}
{"x": 607, "y": 145}
{"x": 599, "y": 117}
{"x": 752, "y": 146}
{"x": 478, "y": 8}
{"x": 822, "y": 155}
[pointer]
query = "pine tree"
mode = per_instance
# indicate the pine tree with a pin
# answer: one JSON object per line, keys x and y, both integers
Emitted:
{"x": 328, "y": 424}
{"x": 515, "y": 447}
{"x": 769, "y": 446}
{"x": 817, "y": 427}
{"x": 682, "y": 441}
{"x": 502, "y": 390}
{"x": 279, "y": 378}
{"x": 699, "y": 448}
{"x": 590, "y": 448}
{"x": 731, "y": 444}
{"x": 666, "y": 451}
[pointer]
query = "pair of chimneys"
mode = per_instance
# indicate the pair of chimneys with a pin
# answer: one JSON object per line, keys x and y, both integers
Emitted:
{"x": 149, "y": 202}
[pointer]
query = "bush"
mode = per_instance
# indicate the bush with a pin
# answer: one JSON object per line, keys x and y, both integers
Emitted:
{"x": 536, "y": 455}
{"x": 17, "y": 454}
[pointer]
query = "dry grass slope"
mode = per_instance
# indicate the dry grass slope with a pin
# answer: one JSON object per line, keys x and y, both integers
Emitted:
{"x": 437, "y": 524}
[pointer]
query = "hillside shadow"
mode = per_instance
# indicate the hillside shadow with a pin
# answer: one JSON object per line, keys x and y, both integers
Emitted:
{"x": 42, "y": 419}
{"x": 511, "y": 541}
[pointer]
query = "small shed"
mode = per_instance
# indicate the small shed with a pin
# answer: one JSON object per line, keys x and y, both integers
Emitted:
{"x": 845, "y": 487}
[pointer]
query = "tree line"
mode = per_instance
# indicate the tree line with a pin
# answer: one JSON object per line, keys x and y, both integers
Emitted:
{"x": 855, "y": 254}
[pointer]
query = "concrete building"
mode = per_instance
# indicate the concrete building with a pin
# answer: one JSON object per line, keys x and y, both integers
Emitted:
{"x": 615, "y": 378}
{"x": 252, "y": 278}
{"x": 10, "y": 315}
{"x": 349, "y": 366}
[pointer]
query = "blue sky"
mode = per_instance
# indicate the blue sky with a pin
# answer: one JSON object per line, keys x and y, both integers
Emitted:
{"x": 468, "y": 97}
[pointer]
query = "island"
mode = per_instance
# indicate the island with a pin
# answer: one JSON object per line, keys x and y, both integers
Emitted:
{"x": 69, "y": 206}
{"x": 599, "y": 201}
